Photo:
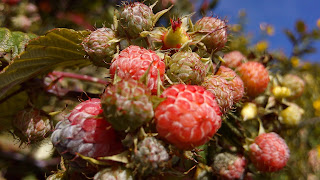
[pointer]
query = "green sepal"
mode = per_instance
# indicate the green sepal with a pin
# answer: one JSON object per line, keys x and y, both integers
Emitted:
{"x": 156, "y": 17}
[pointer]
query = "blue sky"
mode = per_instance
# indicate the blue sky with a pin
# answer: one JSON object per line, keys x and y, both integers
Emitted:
{"x": 280, "y": 13}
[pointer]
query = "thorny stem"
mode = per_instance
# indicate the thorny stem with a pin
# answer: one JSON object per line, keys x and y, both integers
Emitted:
{"x": 80, "y": 77}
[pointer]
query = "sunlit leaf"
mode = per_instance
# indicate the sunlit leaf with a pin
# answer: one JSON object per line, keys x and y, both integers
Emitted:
{"x": 58, "y": 48}
{"x": 13, "y": 42}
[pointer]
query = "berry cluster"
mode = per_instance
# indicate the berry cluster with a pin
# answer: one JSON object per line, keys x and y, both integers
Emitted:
{"x": 169, "y": 95}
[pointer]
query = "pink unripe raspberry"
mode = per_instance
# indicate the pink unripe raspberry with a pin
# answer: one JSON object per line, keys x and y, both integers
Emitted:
{"x": 229, "y": 166}
{"x": 134, "y": 61}
{"x": 215, "y": 31}
{"x": 255, "y": 77}
{"x": 221, "y": 90}
{"x": 235, "y": 82}
{"x": 233, "y": 59}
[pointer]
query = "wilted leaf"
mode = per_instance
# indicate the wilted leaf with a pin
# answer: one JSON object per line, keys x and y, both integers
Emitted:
{"x": 58, "y": 48}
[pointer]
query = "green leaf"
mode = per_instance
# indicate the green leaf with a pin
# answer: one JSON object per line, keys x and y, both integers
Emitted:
{"x": 14, "y": 102}
{"x": 14, "y": 41}
{"x": 58, "y": 48}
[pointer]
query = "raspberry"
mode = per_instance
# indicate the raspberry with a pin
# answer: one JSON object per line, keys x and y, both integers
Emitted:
{"x": 127, "y": 105}
{"x": 269, "y": 152}
{"x": 229, "y": 166}
{"x": 254, "y": 76}
{"x": 292, "y": 115}
{"x": 235, "y": 82}
{"x": 31, "y": 125}
{"x": 295, "y": 84}
{"x": 314, "y": 159}
{"x": 134, "y": 61}
{"x": 85, "y": 132}
{"x": 150, "y": 155}
{"x": 233, "y": 59}
{"x": 113, "y": 174}
{"x": 188, "y": 117}
{"x": 135, "y": 18}
{"x": 101, "y": 45}
{"x": 216, "y": 31}
{"x": 11, "y": 2}
{"x": 186, "y": 66}
{"x": 221, "y": 89}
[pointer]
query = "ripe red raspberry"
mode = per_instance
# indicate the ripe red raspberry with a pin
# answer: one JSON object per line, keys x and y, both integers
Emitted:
{"x": 254, "y": 76}
{"x": 234, "y": 81}
{"x": 229, "y": 166}
{"x": 216, "y": 31}
{"x": 86, "y": 132}
{"x": 134, "y": 61}
{"x": 269, "y": 152}
{"x": 233, "y": 59}
{"x": 188, "y": 117}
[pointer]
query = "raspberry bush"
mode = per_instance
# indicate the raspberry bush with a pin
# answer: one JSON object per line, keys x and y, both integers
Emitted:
{"x": 137, "y": 100}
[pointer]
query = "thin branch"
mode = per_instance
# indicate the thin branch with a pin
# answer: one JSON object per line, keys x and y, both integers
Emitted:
{"x": 80, "y": 77}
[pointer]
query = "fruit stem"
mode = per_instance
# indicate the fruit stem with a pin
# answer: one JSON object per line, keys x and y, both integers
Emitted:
{"x": 79, "y": 76}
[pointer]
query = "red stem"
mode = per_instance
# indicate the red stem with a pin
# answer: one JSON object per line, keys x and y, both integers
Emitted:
{"x": 80, "y": 77}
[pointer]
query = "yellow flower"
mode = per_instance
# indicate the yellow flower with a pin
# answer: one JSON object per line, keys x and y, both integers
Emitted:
{"x": 236, "y": 27}
{"x": 318, "y": 149}
{"x": 316, "y": 106}
{"x": 318, "y": 23}
{"x": 262, "y": 46}
{"x": 267, "y": 28}
{"x": 295, "y": 61}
